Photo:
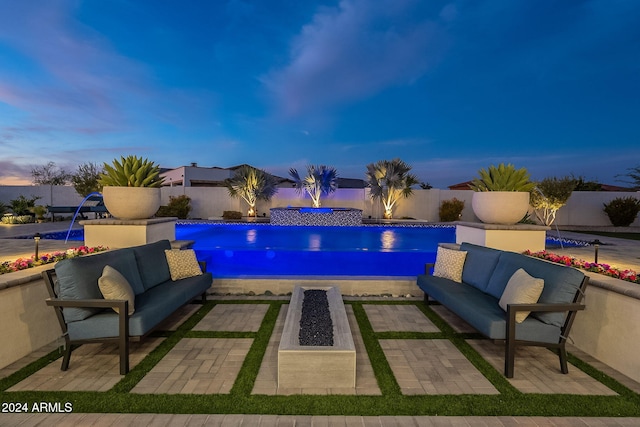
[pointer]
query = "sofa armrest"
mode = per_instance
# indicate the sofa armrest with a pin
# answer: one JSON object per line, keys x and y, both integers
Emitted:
{"x": 513, "y": 308}
{"x": 428, "y": 266}
{"x": 203, "y": 266}
{"x": 121, "y": 305}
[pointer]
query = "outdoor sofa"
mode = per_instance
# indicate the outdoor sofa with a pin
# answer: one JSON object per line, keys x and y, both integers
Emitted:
{"x": 85, "y": 315}
{"x": 477, "y": 295}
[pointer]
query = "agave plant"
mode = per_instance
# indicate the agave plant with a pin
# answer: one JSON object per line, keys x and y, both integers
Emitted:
{"x": 131, "y": 171}
{"x": 390, "y": 181}
{"x": 319, "y": 180}
{"x": 503, "y": 178}
{"x": 251, "y": 185}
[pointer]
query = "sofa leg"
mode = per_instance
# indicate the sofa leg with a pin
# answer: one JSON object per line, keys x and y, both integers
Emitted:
{"x": 563, "y": 360}
{"x": 123, "y": 340}
{"x": 509, "y": 359}
{"x": 425, "y": 300}
{"x": 124, "y": 357}
{"x": 66, "y": 358}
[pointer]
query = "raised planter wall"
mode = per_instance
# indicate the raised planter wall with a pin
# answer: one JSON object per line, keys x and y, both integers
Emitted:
{"x": 26, "y": 322}
{"x": 608, "y": 328}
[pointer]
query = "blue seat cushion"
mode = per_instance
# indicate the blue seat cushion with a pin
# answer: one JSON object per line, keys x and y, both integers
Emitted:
{"x": 152, "y": 307}
{"x": 152, "y": 263}
{"x": 77, "y": 278}
{"x": 482, "y": 311}
{"x": 479, "y": 265}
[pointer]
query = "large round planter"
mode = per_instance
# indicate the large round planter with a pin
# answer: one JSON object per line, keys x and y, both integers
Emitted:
{"x": 131, "y": 202}
{"x": 500, "y": 207}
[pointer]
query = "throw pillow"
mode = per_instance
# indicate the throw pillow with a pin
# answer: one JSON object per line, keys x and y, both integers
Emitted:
{"x": 521, "y": 289}
{"x": 113, "y": 285}
{"x": 449, "y": 264}
{"x": 182, "y": 263}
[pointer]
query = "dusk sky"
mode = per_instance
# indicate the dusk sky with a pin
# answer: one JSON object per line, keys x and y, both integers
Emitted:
{"x": 447, "y": 86}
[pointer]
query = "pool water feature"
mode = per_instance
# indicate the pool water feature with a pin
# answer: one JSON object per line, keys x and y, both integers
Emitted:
{"x": 239, "y": 250}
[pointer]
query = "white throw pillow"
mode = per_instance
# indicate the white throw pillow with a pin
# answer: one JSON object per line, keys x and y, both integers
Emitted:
{"x": 113, "y": 285}
{"x": 449, "y": 264}
{"x": 521, "y": 289}
{"x": 182, "y": 263}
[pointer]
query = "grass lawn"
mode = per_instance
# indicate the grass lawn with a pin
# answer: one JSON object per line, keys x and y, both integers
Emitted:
{"x": 509, "y": 401}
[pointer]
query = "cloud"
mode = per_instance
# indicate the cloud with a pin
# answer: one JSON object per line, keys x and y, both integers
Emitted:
{"x": 63, "y": 73}
{"x": 354, "y": 51}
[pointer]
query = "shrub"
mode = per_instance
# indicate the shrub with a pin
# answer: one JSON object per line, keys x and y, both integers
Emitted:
{"x": 451, "y": 210}
{"x": 550, "y": 195}
{"x": 23, "y": 206}
{"x": 179, "y": 206}
{"x": 622, "y": 211}
{"x": 232, "y": 215}
{"x": 18, "y": 219}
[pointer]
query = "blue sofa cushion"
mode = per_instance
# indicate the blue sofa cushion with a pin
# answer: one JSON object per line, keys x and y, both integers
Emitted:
{"x": 560, "y": 282}
{"x": 482, "y": 311}
{"x": 153, "y": 270}
{"x": 152, "y": 307}
{"x": 479, "y": 265}
{"x": 78, "y": 278}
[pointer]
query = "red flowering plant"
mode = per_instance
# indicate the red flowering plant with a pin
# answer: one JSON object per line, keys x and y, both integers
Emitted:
{"x": 24, "y": 263}
{"x": 606, "y": 269}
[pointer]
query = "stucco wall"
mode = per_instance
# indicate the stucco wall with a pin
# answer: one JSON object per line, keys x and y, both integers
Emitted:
{"x": 583, "y": 208}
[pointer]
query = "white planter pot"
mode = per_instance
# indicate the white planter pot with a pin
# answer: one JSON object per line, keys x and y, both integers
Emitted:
{"x": 500, "y": 207}
{"x": 131, "y": 202}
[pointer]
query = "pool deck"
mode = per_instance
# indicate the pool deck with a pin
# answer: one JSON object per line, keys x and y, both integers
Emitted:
{"x": 533, "y": 365}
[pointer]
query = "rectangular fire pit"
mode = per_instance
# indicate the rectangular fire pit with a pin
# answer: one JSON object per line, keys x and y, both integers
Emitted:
{"x": 317, "y": 366}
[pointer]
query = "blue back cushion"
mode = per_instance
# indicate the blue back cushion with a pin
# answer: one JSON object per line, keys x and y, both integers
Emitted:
{"x": 78, "y": 278}
{"x": 479, "y": 265}
{"x": 560, "y": 282}
{"x": 152, "y": 263}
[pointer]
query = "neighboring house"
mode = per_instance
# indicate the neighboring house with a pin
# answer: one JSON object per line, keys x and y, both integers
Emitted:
{"x": 197, "y": 176}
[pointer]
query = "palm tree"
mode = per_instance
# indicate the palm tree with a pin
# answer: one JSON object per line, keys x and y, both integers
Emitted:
{"x": 389, "y": 181}
{"x": 251, "y": 185}
{"x": 319, "y": 180}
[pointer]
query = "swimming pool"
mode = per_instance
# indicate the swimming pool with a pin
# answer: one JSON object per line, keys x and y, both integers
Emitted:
{"x": 237, "y": 250}
{"x": 246, "y": 250}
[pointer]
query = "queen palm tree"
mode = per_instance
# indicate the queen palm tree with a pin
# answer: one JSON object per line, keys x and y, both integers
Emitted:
{"x": 389, "y": 181}
{"x": 319, "y": 180}
{"x": 251, "y": 185}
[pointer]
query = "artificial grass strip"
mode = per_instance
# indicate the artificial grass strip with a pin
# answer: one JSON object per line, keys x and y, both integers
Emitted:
{"x": 509, "y": 402}
{"x": 251, "y": 365}
{"x": 381, "y": 369}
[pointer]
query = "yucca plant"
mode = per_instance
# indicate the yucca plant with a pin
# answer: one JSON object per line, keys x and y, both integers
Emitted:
{"x": 319, "y": 180}
{"x": 131, "y": 171}
{"x": 251, "y": 185}
{"x": 390, "y": 181}
{"x": 502, "y": 178}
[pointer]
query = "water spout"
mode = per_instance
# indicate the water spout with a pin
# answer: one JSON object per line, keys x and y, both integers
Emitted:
{"x": 78, "y": 211}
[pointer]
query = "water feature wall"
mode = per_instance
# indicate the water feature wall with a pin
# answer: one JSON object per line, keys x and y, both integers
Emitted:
{"x": 316, "y": 216}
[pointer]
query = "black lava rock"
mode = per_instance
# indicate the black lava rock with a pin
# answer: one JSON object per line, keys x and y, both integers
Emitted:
{"x": 316, "y": 327}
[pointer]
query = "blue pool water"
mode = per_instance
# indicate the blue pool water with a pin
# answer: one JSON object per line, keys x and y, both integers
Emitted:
{"x": 241, "y": 250}
{"x": 236, "y": 250}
